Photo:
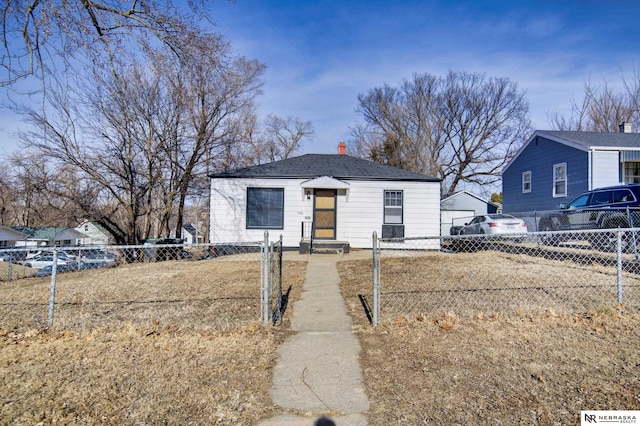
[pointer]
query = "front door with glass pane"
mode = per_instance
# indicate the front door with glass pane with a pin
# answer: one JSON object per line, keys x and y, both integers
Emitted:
{"x": 324, "y": 214}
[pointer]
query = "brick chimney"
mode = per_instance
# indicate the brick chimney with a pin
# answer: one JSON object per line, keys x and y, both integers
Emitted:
{"x": 624, "y": 127}
{"x": 342, "y": 148}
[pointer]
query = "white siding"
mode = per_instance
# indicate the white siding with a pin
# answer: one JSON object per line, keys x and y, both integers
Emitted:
{"x": 359, "y": 210}
{"x": 228, "y": 211}
{"x": 93, "y": 233}
{"x": 605, "y": 166}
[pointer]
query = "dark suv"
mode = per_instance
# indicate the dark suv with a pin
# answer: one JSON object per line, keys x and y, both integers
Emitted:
{"x": 603, "y": 208}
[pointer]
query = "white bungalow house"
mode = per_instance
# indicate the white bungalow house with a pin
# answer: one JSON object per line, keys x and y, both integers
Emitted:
{"x": 9, "y": 237}
{"x": 323, "y": 198}
{"x": 95, "y": 233}
{"x": 50, "y": 236}
{"x": 189, "y": 234}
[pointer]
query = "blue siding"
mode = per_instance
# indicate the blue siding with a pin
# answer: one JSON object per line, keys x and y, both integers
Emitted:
{"x": 539, "y": 157}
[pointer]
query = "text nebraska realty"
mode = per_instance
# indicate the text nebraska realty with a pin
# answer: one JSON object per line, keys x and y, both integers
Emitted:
{"x": 610, "y": 418}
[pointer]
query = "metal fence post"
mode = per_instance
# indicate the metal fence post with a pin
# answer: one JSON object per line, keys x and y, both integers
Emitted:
{"x": 265, "y": 280}
{"x": 52, "y": 289}
{"x": 375, "y": 315}
{"x": 619, "y": 265}
{"x": 272, "y": 272}
{"x": 279, "y": 278}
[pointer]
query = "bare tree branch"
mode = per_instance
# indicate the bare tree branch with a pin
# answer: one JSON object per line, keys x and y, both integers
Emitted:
{"x": 462, "y": 128}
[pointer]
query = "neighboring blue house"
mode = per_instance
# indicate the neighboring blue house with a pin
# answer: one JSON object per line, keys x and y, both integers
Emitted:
{"x": 552, "y": 167}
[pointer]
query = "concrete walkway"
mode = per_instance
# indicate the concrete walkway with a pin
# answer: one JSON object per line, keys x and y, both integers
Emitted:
{"x": 317, "y": 371}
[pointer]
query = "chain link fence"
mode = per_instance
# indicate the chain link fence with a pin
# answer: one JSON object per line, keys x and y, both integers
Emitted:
{"x": 276, "y": 300}
{"x": 179, "y": 286}
{"x": 535, "y": 273}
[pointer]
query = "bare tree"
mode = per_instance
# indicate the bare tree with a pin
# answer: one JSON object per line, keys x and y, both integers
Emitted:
{"x": 461, "y": 128}
{"x": 37, "y": 33}
{"x": 9, "y": 196}
{"x": 602, "y": 108}
{"x": 272, "y": 139}
{"x": 149, "y": 128}
{"x": 284, "y": 136}
{"x": 216, "y": 92}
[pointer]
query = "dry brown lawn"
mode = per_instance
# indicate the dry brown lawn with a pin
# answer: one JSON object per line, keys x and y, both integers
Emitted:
{"x": 498, "y": 281}
{"x": 140, "y": 344}
{"x": 145, "y": 349}
{"x": 493, "y": 368}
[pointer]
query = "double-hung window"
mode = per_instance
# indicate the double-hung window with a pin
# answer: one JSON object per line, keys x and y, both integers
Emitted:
{"x": 393, "y": 207}
{"x": 526, "y": 182}
{"x": 265, "y": 208}
{"x": 632, "y": 172}
{"x": 560, "y": 180}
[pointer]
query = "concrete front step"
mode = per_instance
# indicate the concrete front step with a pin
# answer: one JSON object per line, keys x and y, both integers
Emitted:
{"x": 324, "y": 247}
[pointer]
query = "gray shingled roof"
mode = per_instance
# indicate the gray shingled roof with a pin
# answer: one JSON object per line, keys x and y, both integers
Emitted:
{"x": 591, "y": 139}
{"x": 338, "y": 166}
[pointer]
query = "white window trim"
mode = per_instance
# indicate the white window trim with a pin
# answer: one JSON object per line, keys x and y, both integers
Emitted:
{"x": 397, "y": 208}
{"x": 564, "y": 193}
{"x": 525, "y": 181}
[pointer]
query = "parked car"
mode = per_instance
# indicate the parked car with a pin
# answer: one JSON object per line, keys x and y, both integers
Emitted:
{"x": 99, "y": 260}
{"x": 33, "y": 253}
{"x": 498, "y": 224}
{"x": 603, "y": 208}
{"x": 42, "y": 260}
{"x": 161, "y": 249}
{"x": 9, "y": 257}
{"x": 48, "y": 270}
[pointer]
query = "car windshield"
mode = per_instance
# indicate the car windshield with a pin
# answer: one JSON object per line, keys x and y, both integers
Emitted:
{"x": 579, "y": 201}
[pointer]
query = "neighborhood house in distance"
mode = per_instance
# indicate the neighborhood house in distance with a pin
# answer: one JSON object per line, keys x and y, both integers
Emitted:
{"x": 87, "y": 234}
{"x": 323, "y": 198}
{"x": 461, "y": 207}
{"x": 552, "y": 167}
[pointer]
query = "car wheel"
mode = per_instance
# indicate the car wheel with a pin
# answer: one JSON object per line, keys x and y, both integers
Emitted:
{"x": 608, "y": 241}
{"x": 547, "y": 239}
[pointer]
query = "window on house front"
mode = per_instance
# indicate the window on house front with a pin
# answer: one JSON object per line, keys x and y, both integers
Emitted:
{"x": 560, "y": 180}
{"x": 631, "y": 172}
{"x": 265, "y": 208}
{"x": 526, "y": 182}
{"x": 392, "y": 207}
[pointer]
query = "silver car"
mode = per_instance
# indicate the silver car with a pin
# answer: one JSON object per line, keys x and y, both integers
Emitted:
{"x": 41, "y": 260}
{"x": 495, "y": 224}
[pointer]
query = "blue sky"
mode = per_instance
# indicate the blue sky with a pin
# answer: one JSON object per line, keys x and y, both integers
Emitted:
{"x": 321, "y": 54}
